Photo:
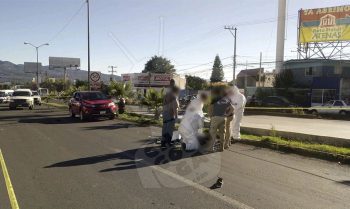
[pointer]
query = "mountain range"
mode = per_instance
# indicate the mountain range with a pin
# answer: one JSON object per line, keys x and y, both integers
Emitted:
{"x": 14, "y": 73}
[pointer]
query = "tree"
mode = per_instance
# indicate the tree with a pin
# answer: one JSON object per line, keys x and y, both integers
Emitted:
{"x": 284, "y": 79}
{"x": 158, "y": 64}
{"x": 195, "y": 83}
{"x": 120, "y": 89}
{"x": 154, "y": 99}
{"x": 217, "y": 74}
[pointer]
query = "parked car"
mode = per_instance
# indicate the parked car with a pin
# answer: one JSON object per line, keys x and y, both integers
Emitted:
{"x": 21, "y": 98}
{"x": 276, "y": 101}
{"x": 88, "y": 104}
{"x": 37, "y": 98}
{"x": 331, "y": 107}
{"x": 5, "y": 96}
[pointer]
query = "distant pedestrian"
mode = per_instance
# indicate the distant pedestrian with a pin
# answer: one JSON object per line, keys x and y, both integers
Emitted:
{"x": 170, "y": 114}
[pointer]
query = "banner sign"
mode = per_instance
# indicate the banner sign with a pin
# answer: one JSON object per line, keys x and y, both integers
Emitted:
{"x": 146, "y": 79}
{"x": 324, "y": 24}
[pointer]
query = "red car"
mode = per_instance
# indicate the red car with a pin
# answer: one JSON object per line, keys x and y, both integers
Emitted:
{"x": 89, "y": 104}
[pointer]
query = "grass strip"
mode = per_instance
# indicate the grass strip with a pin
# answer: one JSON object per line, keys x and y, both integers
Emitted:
{"x": 297, "y": 144}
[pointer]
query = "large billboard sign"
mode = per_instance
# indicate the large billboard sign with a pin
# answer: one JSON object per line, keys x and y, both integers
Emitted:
{"x": 64, "y": 62}
{"x": 32, "y": 67}
{"x": 324, "y": 24}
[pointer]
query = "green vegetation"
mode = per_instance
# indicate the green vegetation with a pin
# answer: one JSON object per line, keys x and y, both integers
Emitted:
{"x": 217, "y": 74}
{"x": 140, "y": 119}
{"x": 284, "y": 79}
{"x": 195, "y": 83}
{"x": 158, "y": 64}
{"x": 297, "y": 144}
{"x": 154, "y": 100}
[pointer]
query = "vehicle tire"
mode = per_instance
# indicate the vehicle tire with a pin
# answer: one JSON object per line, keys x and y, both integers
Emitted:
{"x": 31, "y": 107}
{"x": 72, "y": 115}
{"x": 112, "y": 117}
{"x": 343, "y": 112}
{"x": 314, "y": 112}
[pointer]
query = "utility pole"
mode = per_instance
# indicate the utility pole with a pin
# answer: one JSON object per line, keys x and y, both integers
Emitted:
{"x": 260, "y": 69}
{"x": 233, "y": 31}
{"x": 112, "y": 71}
{"x": 88, "y": 31}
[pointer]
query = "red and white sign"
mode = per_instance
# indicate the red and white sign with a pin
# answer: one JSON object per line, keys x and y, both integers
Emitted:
{"x": 95, "y": 80}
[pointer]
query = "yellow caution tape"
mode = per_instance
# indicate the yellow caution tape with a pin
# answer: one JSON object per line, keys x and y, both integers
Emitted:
{"x": 10, "y": 190}
{"x": 297, "y": 108}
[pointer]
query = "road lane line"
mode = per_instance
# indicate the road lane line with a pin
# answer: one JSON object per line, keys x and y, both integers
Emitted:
{"x": 197, "y": 186}
{"x": 10, "y": 190}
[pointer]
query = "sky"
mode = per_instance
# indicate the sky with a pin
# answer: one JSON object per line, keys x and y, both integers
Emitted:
{"x": 127, "y": 33}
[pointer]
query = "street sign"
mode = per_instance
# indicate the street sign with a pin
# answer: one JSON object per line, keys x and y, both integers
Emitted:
{"x": 95, "y": 80}
{"x": 31, "y": 67}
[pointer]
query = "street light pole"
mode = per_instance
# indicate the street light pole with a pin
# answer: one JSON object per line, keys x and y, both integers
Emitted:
{"x": 88, "y": 28}
{"x": 37, "y": 59}
{"x": 234, "y": 34}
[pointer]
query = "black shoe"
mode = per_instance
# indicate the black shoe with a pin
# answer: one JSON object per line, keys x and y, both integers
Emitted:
{"x": 218, "y": 184}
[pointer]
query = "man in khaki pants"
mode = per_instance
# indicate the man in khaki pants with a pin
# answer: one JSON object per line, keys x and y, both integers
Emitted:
{"x": 217, "y": 123}
{"x": 228, "y": 130}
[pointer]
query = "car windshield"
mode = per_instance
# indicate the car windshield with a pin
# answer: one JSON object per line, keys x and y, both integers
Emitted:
{"x": 93, "y": 96}
{"x": 21, "y": 93}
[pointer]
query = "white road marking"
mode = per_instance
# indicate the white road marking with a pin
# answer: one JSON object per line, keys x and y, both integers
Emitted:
{"x": 200, "y": 187}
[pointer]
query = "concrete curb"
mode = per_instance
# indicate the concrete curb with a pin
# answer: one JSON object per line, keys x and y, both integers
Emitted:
{"x": 334, "y": 141}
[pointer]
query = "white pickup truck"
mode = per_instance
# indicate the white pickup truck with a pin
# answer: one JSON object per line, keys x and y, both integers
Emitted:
{"x": 331, "y": 107}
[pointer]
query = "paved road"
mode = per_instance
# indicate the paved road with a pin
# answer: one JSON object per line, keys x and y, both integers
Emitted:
{"x": 58, "y": 162}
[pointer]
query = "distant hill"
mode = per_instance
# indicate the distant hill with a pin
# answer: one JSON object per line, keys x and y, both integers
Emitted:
{"x": 10, "y": 72}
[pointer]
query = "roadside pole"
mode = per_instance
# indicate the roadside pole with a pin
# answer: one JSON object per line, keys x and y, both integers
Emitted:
{"x": 234, "y": 34}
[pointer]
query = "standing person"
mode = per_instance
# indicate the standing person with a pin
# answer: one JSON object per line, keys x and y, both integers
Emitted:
{"x": 217, "y": 122}
{"x": 238, "y": 102}
{"x": 170, "y": 114}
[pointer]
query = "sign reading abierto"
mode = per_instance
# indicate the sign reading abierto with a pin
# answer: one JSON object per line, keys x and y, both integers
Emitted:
{"x": 325, "y": 24}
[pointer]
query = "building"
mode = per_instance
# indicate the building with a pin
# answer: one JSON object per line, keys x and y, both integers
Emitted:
{"x": 250, "y": 78}
{"x": 144, "y": 81}
{"x": 327, "y": 79}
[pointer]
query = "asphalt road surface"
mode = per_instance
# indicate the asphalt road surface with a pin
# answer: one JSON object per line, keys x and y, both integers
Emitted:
{"x": 58, "y": 162}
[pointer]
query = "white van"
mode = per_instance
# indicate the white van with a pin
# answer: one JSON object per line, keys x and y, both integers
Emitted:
{"x": 5, "y": 96}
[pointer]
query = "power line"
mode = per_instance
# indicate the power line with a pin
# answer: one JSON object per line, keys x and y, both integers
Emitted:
{"x": 67, "y": 23}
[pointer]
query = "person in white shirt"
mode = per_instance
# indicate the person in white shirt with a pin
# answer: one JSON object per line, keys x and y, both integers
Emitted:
{"x": 238, "y": 102}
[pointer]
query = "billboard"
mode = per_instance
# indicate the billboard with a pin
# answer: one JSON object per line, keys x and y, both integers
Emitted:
{"x": 146, "y": 79}
{"x": 324, "y": 24}
{"x": 31, "y": 67}
{"x": 63, "y": 62}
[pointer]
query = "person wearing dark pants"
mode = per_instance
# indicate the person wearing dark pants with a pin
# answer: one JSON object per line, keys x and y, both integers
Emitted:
{"x": 170, "y": 114}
